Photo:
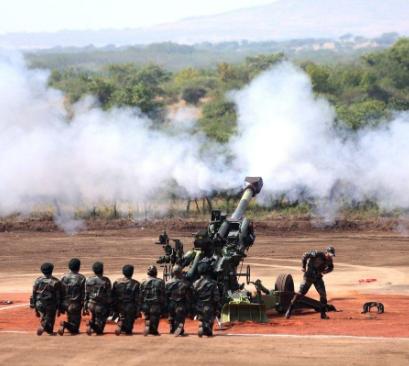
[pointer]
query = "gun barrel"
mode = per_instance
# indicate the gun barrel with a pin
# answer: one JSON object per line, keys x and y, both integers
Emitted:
{"x": 253, "y": 187}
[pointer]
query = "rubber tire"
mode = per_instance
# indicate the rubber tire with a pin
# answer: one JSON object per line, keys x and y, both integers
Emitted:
{"x": 284, "y": 283}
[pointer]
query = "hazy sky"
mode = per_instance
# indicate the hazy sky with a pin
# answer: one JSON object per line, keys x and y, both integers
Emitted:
{"x": 52, "y": 15}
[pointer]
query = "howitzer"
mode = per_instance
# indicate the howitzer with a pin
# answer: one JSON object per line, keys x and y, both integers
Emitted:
{"x": 223, "y": 245}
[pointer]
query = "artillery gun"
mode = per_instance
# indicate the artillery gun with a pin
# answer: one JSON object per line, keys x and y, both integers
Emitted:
{"x": 224, "y": 245}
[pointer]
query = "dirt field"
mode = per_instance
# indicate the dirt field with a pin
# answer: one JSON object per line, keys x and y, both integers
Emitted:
{"x": 370, "y": 265}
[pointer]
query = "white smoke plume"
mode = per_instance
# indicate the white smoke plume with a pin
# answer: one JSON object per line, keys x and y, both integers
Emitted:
{"x": 96, "y": 157}
{"x": 285, "y": 135}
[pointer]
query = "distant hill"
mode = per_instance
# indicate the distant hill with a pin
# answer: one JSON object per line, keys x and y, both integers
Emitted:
{"x": 280, "y": 20}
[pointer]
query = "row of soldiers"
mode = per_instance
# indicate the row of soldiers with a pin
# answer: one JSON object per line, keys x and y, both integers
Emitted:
{"x": 75, "y": 295}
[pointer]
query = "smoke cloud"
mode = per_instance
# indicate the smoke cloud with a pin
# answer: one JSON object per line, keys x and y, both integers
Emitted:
{"x": 286, "y": 135}
{"x": 95, "y": 157}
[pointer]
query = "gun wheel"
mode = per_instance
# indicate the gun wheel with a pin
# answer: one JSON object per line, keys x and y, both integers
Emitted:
{"x": 284, "y": 283}
{"x": 285, "y": 286}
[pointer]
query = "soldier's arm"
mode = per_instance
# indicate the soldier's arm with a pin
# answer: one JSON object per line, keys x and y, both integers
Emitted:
{"x": 62, "y": 288}
{"x": 141, "y": 294}
{"x": 114, "y": 295}
{"x": 216, "y": 299}
{"x": 163, "y": 291}
{"x": 33, "y": 298}
{"x": 58, "y": 296}
{"x": 82, "y": 289}
{"x": 305, "y": 258}
{"x": 86, "y": 297}
{"x": 109, "y": 290}
{"x": 137, "y": 296}
{"x": 330, "y": 267}
{"x": 189, "y": 294}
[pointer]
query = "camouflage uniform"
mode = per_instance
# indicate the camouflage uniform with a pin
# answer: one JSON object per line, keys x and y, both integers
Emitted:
{"x": 46, "y": 300}
{"x": 179, "y": 296}
{"x": 73, "y": 291}
{"x": 207, "y": 297}
{"x": 97, "y": 301}
{"x": 315, "y": 265}
{"x": 153, "y": 300}
{"x": 125, "y": 294}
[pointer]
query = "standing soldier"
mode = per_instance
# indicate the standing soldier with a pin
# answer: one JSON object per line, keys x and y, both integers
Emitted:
{"x": 73, "y": 291}
{"x": 207, "y": 297}
{"x": 46, "y": 299}
{"x": 315, "y": 264}
{"x": 125, "y": 294}
{"x": 97, "y": 299}
{"x": 179, "y": 298}
{"x": 153, "y": 300}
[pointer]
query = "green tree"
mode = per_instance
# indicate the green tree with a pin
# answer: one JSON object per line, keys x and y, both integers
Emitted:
{"x": 358, "y": 115}
{"x": 218, "y": 119}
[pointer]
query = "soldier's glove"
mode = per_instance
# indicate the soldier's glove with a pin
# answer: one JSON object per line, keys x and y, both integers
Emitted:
{"x": 32, "y": 304}
{"x": 85, "y": 311}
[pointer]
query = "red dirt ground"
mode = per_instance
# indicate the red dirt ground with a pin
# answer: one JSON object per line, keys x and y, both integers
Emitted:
{"x": 361, "y": 254}
{"x": 348, "y": 321}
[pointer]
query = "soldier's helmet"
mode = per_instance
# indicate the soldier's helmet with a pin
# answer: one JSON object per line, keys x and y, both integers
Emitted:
{"x": 331, "y": 251}
{"x": 47, "y": 268}
{"x": 127, "y": 270}
{"x": 176, "y": 270}
{"x": 152, "y": 271}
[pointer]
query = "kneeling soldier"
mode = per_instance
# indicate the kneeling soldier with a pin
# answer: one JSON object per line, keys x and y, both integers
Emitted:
{"x": 73, "y": 291}
{"x": 179, "y": 296}
{"x": 207, "y": 296}
{"x": 97, "y": 299}
{"x": 125, "y": 295}
{"x": 152, "y": 300}
{"x": 46, "y": 299}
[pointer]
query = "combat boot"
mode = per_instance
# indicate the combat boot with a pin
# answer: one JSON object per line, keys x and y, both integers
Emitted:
{"x": 179, "y": 330}
{"x": 324, "y": 315}
{"x": 171, "y": 327}
{"x": 118, "y": 330}
{"x": 146, "y": 330}
{"x": 40, "y": 331}
{"x": 89, "y": 328}
{"x": 60, "y": 331}
{"x": 200, "y": 331}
